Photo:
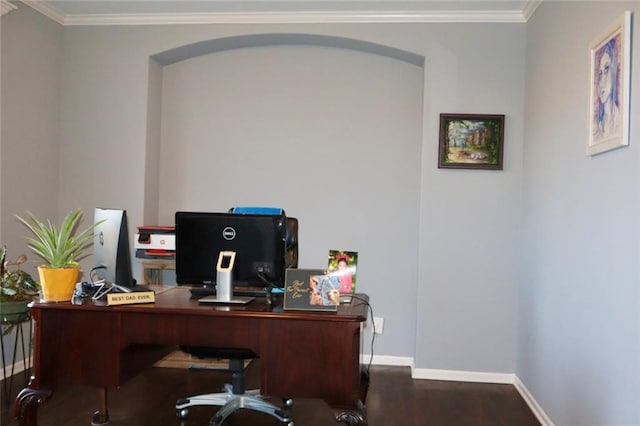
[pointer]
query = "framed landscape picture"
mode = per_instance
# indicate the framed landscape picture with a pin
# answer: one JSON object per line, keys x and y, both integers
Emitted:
{"x": 471, "y": 141}
{"x": 610, "y": 57}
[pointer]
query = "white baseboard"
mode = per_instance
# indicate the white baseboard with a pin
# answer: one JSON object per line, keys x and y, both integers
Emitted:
{"x": 16, "y": 368}
{"x": 464, "y": 376}
{"x": 399, "y": 361}
{"x": 532, "y": 403}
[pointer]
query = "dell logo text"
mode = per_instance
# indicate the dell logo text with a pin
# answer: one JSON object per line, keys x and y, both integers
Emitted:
{"x": 228, "y": 233}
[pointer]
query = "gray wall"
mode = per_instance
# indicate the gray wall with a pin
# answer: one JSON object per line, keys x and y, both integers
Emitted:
{"x": 445, "y": 282}
{"x": 29, "y": 163}
{"x": 29, "y": 144}
{"x": 469, "y": 220}
{"x": 579, "y": 328}
{"x": 337, "y": 147}
{"x": 531, "y": 270}
{"x": 105, "y": 129}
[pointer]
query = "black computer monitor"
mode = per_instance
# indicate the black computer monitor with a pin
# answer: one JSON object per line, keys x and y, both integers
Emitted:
{"x": 257, "y": 240}
{"x": 111, "y": 248}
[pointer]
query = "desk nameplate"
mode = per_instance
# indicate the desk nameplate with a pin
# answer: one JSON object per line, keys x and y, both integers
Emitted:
{"x": 131, "y": 298}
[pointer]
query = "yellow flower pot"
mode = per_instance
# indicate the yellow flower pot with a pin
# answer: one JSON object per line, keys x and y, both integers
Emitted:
{"x": 58, "y": 284}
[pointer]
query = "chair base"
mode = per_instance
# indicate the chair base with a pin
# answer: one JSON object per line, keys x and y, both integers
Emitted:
{"x": 230, "y": 403}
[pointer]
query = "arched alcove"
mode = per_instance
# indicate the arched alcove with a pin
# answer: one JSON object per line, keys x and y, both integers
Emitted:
{"x": 206, "y": 47}
{"x": 328, "y": 128}
{"x": 167, "y": 59}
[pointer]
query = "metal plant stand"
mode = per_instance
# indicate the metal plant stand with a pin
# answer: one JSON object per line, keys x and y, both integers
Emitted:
{"x": 8, "y": 324}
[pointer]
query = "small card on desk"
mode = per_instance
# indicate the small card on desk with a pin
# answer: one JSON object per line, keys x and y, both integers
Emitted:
{"x": 310, "y": 290}
{"x": 131, "y": 298}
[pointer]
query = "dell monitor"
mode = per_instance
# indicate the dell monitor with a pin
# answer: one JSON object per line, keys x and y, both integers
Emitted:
{"x": 111, "y": 248}
{"x": 257, "y": 240}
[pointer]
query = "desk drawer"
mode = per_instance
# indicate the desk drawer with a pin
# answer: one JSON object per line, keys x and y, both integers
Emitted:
{"x": 171, "y": 329}
{"x": 153, "y": 329}
{"x": 240, "y": 333}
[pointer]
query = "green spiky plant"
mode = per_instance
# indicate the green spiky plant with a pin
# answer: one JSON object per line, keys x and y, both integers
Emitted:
{"x": 60, "y": 246}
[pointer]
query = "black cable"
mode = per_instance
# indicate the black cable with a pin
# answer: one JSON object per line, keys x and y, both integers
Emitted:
{"x": 373, "y": 323}
{"x": 93, "y": 270}
{"x": 264, "y": 279}
{"x": 269, "y": 288}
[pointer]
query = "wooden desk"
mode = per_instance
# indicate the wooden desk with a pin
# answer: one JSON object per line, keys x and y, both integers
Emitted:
{"x": 103, "y": 346}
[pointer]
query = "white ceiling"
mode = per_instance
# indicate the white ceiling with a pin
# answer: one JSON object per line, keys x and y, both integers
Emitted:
{"x": 116, "y": 12}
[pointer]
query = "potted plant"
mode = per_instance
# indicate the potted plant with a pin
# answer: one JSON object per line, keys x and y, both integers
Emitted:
{"x": 17, "y": 288}
{"x": 61, "y": 247}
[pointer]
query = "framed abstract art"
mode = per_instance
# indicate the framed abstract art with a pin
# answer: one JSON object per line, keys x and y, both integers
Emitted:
{"x": 610, "y": 59}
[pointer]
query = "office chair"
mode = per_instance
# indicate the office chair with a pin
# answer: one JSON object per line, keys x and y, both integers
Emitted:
{"x": 234, "y": 395}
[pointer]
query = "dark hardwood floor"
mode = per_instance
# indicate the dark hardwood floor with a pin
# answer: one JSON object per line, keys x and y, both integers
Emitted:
{"x": 394, "y": 399}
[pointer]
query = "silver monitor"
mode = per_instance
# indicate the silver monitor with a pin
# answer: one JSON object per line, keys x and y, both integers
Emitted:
{"x": 111, "y": 248}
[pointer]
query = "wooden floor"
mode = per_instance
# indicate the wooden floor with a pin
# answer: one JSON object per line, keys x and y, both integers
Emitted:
{"x": 394, "y": 400}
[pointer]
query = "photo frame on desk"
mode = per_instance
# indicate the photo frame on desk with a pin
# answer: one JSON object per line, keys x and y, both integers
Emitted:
{"x": 343, "y": 266}
{"x": 311, "y": 290}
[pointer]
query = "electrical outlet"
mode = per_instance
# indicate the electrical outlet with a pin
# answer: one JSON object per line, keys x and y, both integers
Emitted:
{"x": 378, "y": 323}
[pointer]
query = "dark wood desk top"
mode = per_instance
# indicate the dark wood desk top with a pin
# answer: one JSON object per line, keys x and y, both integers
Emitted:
{"x": 177, "y": 300}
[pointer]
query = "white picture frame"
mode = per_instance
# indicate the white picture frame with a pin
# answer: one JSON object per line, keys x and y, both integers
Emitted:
{"x": 610, "y": 63}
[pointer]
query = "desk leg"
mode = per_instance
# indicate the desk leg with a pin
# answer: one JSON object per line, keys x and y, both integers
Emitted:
{"x": 27, "y": 402}
{"x": 101, "y": 417}
{"x": 351, "y": 416}
{"x": 355, "y": 415}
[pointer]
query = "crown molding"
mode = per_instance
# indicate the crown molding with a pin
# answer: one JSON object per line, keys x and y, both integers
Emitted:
{"x": 47, "y": 10}
{"x": 330, "y": 17}
{"x": 529, "y": 8}
{"x": 6, "y": 7}
{"x": 296, "y": 18}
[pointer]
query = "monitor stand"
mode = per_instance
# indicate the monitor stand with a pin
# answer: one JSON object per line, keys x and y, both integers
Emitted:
{"x": 235, "y": 300}
{"x": 224, "y": 283}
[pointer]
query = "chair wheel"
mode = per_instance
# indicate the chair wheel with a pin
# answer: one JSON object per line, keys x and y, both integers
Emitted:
{"x": 182, "y": 413}
{"x": 287, "y": 403}
{"x": 287, "y": 423}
